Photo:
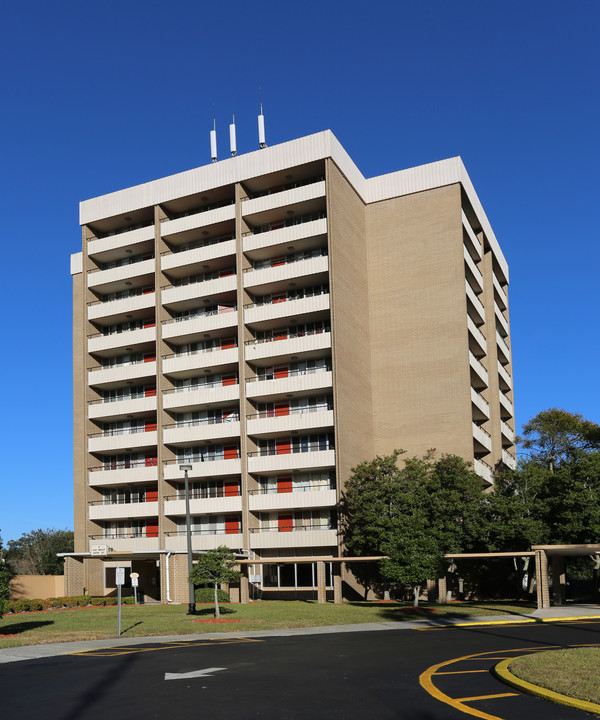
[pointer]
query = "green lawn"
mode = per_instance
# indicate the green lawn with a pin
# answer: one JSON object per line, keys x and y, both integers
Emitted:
{"x": 147, "y": 620}
{"x": 572, "y": 672}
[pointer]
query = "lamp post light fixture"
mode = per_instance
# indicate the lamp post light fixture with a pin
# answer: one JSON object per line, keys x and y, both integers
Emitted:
{"x": 188, "y": 532}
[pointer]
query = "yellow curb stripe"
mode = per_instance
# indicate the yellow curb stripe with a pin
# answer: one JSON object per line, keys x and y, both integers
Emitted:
{"x": 486, "y": 697}
{"x": 459, "y": 672}
{"x": 504, "y": 673}
{"x": 494, "y": 622}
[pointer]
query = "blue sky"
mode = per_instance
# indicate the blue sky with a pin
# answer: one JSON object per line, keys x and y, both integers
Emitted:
{"x": 99, "y": 96}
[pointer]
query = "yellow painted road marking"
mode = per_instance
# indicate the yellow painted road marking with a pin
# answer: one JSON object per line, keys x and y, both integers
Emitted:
{"x": 460, "y": 672}
{"x": 486, "y": 697}
{"x": 427, "y": 683}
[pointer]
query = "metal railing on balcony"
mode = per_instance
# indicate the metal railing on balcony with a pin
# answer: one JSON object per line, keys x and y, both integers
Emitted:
{"x": 288, "y": 222}
{"x": 207, "y": 313}
{"x": 199, "y": 279}
{"x": 234, "y": 417}
{"x": 313, "y": 487}
{"x": 125, "y": 295}
{"x": 267, "y": 414}
{"x": 282, "y": 188}
{"x": 206, "y": 494}
{"x": 295, "y": 528}
{"x": 125, "y": 465}
{"x": 289, "y": 336}
{"x": 203, "y": 209}
{"x": 280, "y": 261}
{"x": 195, "y": 244}
{"x": 290, "y": 373}
{"x": 220, "y": 531}
{"x": 124, "y": 431}
{"x": 204, "y": 386}
{"x": 310, "y": 447}
{"x": 209, "y": 457}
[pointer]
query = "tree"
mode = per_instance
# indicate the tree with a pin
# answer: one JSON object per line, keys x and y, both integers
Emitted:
{"x": 5, "y": 577}
{"x": 413, "y": 515}
{"x": 556, "y": 436}
{"x": 215, "y": 567}
{"x": 519, "y": 509}
{"x": 35, "y": 553}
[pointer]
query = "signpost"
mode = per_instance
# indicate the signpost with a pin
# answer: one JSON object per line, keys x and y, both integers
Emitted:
{"x": 134, "y": 584}
{"x": 120, "y": 580}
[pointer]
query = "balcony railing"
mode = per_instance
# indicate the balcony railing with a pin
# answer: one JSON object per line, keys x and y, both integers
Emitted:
{"x": 283, "y": 188}
{"x": 108, "y": 501}
{"x": 208, "y": 313}
{"x": 120, "y": 231}
{"x": 291, "y": 373}
{"x": 136, "y": 292}
{"x": 287, "y": 260}
{"x": 295, "y": 489}
{"x": 187, "y": 353}
{"x": 216, "y": 275}
{"x": 123, "y": 465}
{"x": 264, "y": 303}
{"x": 198, "y": 423}
{"x": 300, "y": 220}
{"x": 123, "y": 431}
{"x": 215, "y": 240}
{"x": 125, "y": 536}
{"x": 290, "y": 336}
{"x": 205, "y": 386}
{"x": 267, "y": 414}
{"x": 299, "y": 528}
{"x": 269, "y": 452}
{"x": 202, "y": 458}
{"x": 205, "y": 495}
{"x": 175, "y": 533}
{"x": 204, "y": 208}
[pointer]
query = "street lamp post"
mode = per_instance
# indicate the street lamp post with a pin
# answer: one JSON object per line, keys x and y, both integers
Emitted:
{"x": 188, "y": 531}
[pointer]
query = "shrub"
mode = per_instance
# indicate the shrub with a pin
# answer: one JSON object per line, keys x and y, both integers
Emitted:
{"x": 207, "y": 595}
{"x": 128, "y": 601}
{"x": 98, "y": 601}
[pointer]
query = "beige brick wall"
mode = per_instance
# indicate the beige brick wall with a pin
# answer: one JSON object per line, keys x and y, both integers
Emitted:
{"x": 349, "y": 292}
{"x": 421, "y": 380}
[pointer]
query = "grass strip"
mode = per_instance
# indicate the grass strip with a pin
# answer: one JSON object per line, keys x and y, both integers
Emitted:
{"x": 572, "y": 672}
{"x": 98, "y": 623}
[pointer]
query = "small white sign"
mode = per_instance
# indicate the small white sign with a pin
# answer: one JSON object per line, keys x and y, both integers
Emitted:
{"x": 99, "y": 550}
{"x": 120, "y": 576}
{"x": 134, "y": 581}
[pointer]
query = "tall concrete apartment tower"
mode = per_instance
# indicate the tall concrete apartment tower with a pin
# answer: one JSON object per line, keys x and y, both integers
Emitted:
{"x": 272, "y": 320}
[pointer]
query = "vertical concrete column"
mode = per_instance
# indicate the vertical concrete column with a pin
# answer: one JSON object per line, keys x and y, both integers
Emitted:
{"x": 337, "y": 583}
{"x": 541, "y": 573}
{"x": 244, "y": 586}
{"x": 442, "y": 591}
{"x": 321, "y": 589}
{"x": 559, "y": 580}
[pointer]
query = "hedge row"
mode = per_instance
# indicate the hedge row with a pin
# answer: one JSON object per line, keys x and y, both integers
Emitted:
{"x": 207, "y": 595}
{"x": 17, "y": 606}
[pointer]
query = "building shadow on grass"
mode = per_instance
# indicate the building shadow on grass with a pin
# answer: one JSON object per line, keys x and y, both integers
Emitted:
{"x": 22, "y": 627}
{"x": 210, "y": 611}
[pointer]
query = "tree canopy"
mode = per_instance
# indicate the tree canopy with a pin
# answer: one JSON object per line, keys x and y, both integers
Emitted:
{"x": 34, "y": 553}
{"x": 554, "y": 437}
{"x": 413, "y": 514}
{"x": 215, "y": 567}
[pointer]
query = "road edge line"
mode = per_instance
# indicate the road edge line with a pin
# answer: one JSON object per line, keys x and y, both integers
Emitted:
{"x": 501, "y": 669}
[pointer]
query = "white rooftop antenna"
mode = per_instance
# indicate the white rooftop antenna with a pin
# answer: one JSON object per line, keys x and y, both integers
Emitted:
{"x": 232, "y": 143}
{"x": 261, "y": 129}
{"x": 213, "y": 139}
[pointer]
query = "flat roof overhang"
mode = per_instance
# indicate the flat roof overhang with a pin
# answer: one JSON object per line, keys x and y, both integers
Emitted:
{"x": 573, "y": 550}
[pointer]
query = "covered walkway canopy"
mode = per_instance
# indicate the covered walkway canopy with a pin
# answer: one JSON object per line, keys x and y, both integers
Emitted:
{"x": 555, "y": 554}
